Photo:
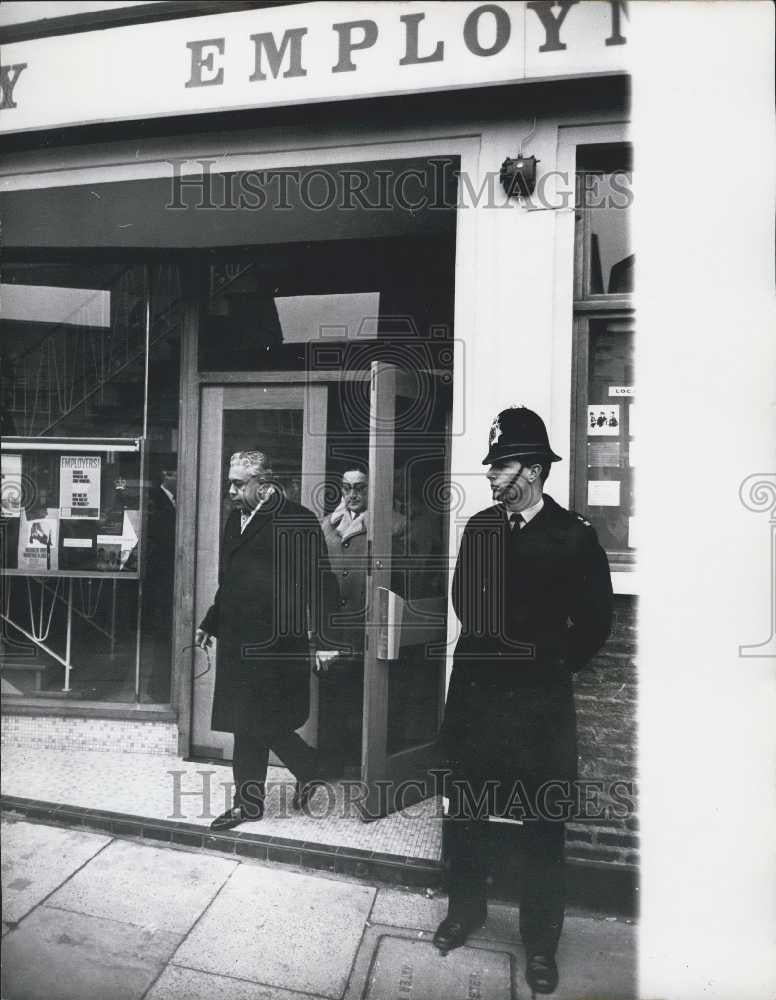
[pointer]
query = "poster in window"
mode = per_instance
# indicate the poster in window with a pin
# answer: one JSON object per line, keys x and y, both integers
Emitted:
{"x": 38, "y": 542}
{"x": 603, "y": 493}
{"x": 603, "y": 454}
{"x": 603, "y": 420}
{"x": 79, "y": 487}
{"x": 11, "y": 485}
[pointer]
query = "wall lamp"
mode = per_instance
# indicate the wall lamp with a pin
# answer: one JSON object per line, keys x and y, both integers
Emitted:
{"x": 518, "y": 173}
{"x": 518, "y": 176}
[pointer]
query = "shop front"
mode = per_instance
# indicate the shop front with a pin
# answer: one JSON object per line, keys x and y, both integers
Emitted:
{"x": 276, "y": 240}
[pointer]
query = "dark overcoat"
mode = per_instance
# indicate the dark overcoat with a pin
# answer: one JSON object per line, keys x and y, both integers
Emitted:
{"x": 535, "y": 605}
{"x": 276, "y": 596}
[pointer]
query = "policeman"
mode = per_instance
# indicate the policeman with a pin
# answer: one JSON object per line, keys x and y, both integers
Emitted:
{"x": 533, "y": 593}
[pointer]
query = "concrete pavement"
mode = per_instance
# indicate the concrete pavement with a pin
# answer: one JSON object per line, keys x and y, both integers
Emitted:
{"x": 88, "y": 916}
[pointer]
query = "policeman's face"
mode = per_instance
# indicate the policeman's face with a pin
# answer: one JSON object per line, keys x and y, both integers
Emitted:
{"x": 509, "y": 483}
{"x": 246, "y": 490}
{"x": 354, "y": 491}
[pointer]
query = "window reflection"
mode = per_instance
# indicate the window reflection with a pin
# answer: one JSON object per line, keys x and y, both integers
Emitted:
{"x": 611, "y": 259}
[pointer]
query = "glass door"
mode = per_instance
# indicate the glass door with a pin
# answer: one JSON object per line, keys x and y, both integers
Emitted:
{"x": 287, "y": 422}
{"x": 407, "y": 585}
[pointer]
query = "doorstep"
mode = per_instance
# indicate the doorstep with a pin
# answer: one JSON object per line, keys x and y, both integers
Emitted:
{"x": 134, "y": 795}
{"x": 387, "y": 868}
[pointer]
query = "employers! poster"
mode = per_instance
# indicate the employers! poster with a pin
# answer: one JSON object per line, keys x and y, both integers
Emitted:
{"x": 79, "y": 487}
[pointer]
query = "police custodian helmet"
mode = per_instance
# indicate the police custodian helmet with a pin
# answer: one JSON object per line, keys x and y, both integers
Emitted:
{"x": 515, "y": 432}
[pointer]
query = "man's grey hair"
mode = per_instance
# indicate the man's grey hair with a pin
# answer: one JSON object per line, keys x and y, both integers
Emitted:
{"x": 256, "y": 463}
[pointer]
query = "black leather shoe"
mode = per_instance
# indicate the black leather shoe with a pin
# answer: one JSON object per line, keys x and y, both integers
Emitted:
{"x": 304, "y": 792}
{"x": 453, "y": 932}
{"x": 233, "y": 817}
{"x": 541, "y": 973}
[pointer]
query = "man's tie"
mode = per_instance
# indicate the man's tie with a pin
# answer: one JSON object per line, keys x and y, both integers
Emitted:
{"x": 515, "y": 521}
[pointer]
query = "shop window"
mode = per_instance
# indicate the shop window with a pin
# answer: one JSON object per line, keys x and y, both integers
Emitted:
{"x": 605, "y": 429}
{"x": 89, "y": 440}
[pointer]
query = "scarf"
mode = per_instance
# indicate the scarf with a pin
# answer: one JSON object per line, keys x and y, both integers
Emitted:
{"x": 345, "y": 523}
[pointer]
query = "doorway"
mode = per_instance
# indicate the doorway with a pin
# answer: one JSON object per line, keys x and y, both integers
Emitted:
{"x": 393, "y": 424}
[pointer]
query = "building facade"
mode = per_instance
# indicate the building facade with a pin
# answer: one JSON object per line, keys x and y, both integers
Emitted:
{"x": 285, "y": 226}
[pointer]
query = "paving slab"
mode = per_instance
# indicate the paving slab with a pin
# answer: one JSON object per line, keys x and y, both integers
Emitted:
{"x": 176, "y": 983}
{"x": 399, "y": 908}
{"x": 57, "y": 955}
{"x": 405, "y": 968}
{"x": 280, "y": 928}
{"x": 36, "y": 859}
{"x": 597, "y": 960}
{"x": 147, "y": 886}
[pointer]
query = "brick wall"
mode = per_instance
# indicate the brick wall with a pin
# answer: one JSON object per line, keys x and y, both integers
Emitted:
{"x": 606, "y": 719}
{"x": 71, "y": 733}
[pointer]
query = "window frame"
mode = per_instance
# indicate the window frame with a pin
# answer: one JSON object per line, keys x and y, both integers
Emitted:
{"x": 588, "y": 307}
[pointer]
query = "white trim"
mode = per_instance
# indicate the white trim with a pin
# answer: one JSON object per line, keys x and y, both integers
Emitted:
{"x": 560, "y": 424}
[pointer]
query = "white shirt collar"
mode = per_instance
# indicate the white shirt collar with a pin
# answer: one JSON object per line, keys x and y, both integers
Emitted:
{"x": 167, "y": 494}
{"x": 529, "y": 512}
{"x": 245, "y": 519}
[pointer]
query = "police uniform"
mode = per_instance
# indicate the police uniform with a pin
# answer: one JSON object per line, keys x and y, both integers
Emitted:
{"x": 534, "y": 601}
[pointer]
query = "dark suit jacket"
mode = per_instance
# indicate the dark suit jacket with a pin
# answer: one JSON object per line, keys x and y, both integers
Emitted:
{"x": 534, "y": 607}
{"x": 276, "y": 593}
{"x": 160, "y": 562}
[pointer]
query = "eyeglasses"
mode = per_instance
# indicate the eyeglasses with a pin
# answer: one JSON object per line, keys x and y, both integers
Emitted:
{"x": 359, "y": 488}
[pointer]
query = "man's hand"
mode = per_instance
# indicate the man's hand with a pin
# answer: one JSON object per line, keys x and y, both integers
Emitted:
{"x": 202, "y": 638}
{"x": 324, "y": 658}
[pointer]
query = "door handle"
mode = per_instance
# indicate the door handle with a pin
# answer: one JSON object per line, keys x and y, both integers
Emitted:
{"x": 390, "y": 608}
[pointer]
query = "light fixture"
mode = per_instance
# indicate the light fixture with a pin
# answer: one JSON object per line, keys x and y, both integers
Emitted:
{"x": 518, "y": 173}
{"x": 518, "y": 176}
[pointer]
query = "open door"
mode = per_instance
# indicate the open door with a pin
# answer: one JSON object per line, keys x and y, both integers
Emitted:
{"x": 276, "y": 419}
{"x": 407, "y": 586}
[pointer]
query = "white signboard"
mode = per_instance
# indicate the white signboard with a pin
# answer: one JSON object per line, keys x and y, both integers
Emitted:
{"x": 603, "y": 493}
{"x": 79, "y": 487}
{"x": 303, "y": 53}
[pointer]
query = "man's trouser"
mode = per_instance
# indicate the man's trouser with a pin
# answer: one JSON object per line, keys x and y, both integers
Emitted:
{"x": 252, "y": 745}
{"x": 541, "y": 844}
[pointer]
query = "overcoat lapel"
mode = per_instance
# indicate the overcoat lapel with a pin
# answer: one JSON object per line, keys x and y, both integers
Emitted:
{"x": 258, "y": 522}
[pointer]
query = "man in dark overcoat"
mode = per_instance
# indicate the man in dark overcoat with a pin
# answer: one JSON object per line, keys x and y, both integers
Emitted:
{"x": 276, "y": 590}
{"x": 533, "y": 593}
{"x": 158, "y": 590}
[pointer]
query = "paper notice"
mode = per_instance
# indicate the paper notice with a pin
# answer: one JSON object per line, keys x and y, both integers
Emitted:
{"x": 631, "y": 533}
{"x": 11, "y": 485}
{"x": 603, "y": 454}
{"x": 603, "y": 493}
{"x": 38, "y": 542}
{"x": 604, "y": 420}
{"x": 79, "y": 487}
{"x": 620, "y": 390}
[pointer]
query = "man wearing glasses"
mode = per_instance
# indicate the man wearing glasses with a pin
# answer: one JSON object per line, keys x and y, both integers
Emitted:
{"x": 275, "y": 584}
